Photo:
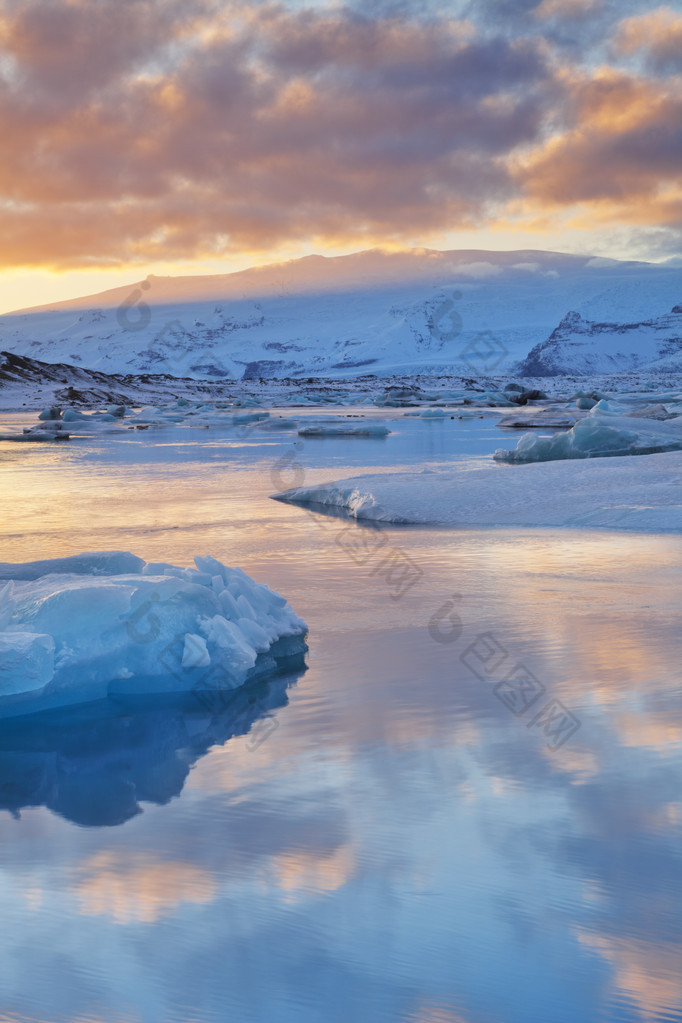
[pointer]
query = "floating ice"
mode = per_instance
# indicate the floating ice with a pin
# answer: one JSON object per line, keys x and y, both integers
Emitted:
{"x": 600, "y": 434}
{"x": 105, "y": 563}
{"x": 657, "y": 411}
{"x": 344, "y": 428}
{"x": 615, "y": 493}
{"x": 539, "y": 418}
{"x": 434, "y": 413}
{"x": 55, "y": 422}
{"x": 79, "y": 628}
{"x": 278, "y": 423}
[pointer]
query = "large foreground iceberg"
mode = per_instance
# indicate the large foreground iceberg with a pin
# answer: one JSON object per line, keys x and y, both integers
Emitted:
{"x": 81, "y": 628}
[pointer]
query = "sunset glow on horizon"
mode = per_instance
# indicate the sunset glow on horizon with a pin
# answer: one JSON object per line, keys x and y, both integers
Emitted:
{"x": 203, "y": 137}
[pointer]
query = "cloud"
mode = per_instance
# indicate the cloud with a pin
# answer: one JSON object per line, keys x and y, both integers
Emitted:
{"x": 180, "y": 131}
{"x": 657, "y": 36}
{"x": 479, "y": 270}
{"x": 167, "y": 139}
{"x": 621, "y": 155}
{"x": 567, "y": 8}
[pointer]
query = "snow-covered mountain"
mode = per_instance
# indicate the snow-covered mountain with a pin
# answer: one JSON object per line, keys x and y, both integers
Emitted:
{"x": 463, "y": 311}
{"x": 583, "y": 346}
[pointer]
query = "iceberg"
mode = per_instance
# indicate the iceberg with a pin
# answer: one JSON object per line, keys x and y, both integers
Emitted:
{"x": 599, "y": 434}
{"x": 82, "y": 628}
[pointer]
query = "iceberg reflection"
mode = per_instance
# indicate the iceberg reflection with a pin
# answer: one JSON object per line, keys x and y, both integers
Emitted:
{"x": 94, "y": 764}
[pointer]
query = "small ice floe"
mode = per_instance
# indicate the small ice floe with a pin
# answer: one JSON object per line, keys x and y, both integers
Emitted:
{"x": 278, "y": 423}
{"x": 80, "y": 628}
{"x": 36, "y": 436}
{"x": 58, "y": 421}
{"x": 556, "y": 419}
{"x": 431, "y": 413}
{"x": 344, "y": 428}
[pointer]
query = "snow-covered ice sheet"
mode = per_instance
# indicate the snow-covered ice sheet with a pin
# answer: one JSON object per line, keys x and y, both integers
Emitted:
{"x": 599, "y": 434}
{"x": 642, "y": 494}
{"x": 83, "y": 627}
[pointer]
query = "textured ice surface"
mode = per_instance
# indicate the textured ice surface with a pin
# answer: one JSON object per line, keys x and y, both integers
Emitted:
{"x": 79, "y": 628}
{"x": 642, "y": 494}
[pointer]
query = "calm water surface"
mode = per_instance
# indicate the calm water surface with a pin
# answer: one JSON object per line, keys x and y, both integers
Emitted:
{"x": 396, "y": 834}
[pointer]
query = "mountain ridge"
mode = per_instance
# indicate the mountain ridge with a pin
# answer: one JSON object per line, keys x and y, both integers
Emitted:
{"x": 471, "y": 311}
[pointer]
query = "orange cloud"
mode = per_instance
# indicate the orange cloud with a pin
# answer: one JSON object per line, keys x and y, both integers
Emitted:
{"x": 657, "y": 35}
{"x": 622, "y": 156}
{"x": 141, "y": 133}
{"x": 144, "y": 141}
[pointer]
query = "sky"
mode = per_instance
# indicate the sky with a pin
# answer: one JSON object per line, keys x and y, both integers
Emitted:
{"x": 197, "y": 136}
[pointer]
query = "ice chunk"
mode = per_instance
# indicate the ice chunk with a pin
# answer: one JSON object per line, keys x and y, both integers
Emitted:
{"x": 249, "y": 417}
{"x": 548, "y": 418}
{"x": 255, "y": 635}
{"x": 26, "y": 662}
{"x": 230, "y": 637}
{"x": 356, "y": 502}
{"x": 73, "y": 628}
{"x": 195, "y": 652}
{"x": 657, "y": 411}
{"x": 279, "y": 423}
{"x": 101, "y": 563}
{"x": 600, "y": 434}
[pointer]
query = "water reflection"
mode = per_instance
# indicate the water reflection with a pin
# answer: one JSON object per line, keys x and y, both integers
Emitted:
{"x": 402, "y": 848}
{"x": 95, "y": 764}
